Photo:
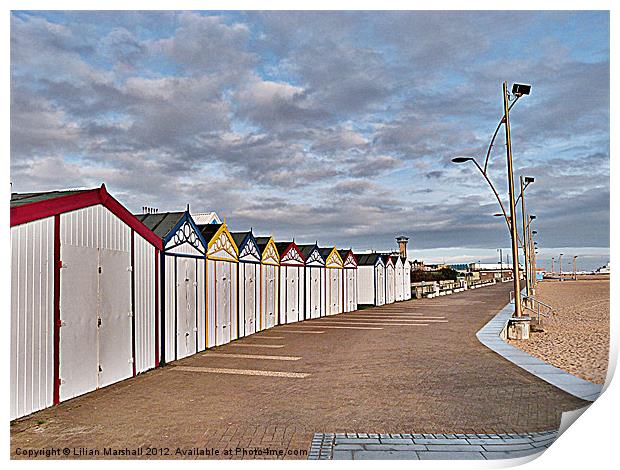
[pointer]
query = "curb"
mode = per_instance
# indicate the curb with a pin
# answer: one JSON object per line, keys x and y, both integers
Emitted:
{"x": 490, "y": 335}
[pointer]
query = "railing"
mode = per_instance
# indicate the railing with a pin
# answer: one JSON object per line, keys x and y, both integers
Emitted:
{"x": 538, "y": 307}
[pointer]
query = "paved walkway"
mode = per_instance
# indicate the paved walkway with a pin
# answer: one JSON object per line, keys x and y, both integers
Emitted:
{"x": 414, "y": 365}
{"x": 429, "y": 446}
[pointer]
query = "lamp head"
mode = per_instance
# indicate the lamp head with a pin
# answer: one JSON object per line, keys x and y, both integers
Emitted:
{"x": 528, "y": 179}
{"x": 461, "y": 159}
{"x": 520, "y": 89}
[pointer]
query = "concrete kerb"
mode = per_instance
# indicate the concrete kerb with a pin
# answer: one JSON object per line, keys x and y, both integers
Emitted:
{"x": 492, "y": 335}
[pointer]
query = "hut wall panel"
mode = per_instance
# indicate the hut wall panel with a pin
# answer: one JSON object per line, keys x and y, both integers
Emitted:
{"x": 201, "y": 304}
{"x": 144, "y": 308}
{"x": 389, "y": 285}
{"x": 32, "y": 316}
{"x": 334, "y": 291}
{"x": 269, "y": 302}
{"x": 366, "y": 285}
{"x": 169, "y": 322}
{"x": 398, "y": 284}
{"x": 249, "y": 298}
{"x": 314, "y": 292}
{"x": 380, "y": 273}
{"x": 95, "y": 227}
{"x": 350, "y": 290}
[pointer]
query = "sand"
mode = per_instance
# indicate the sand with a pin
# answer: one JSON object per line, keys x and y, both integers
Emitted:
{"x": 576, "y": 337}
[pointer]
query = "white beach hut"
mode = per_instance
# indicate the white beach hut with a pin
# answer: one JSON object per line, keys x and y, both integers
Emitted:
{"x": 269, "y": 283}
{"x": 222, "y": 286}
{"x": 182, "y": 283}
{"x": 406, "y": 279}
{"x": 315, "y": 282}
{"x": 370, "y": 279}
{"x": 399, "y": 290}
{"x": 292, "y": 266}
{"x": 83, "y": 296}
{"x": 248, "y": 282}
{"x": 334, "y": 273}
{"x": 349, "y": 281}
{"x": 390, "y": 279}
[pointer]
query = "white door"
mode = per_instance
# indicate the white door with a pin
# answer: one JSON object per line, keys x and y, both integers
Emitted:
{"x": 186, "y": 307}
{"x": 223, "y": 290}
{"x": 292, "y": 281}
{"x": 350, "y": 300}
{"x": 270, "y": 297}
{"x": 78, "y": 314}
{"x": 380, "y": 285}
{"x": 250, "y": 297}
{"x": 115, "y": 351}
{"x": 315, "y": 292}
{"x": 334, "y": 292}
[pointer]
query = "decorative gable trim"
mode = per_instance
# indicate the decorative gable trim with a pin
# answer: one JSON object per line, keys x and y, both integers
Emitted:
{"x": 186, "y": 232}
{"x": 334, "y": 260}
{"x": 248, "y": 251}
{"x": 222, "y": 246}
{"x": 315, "y": 258}
{"x": 292, "y": 256}
{"x": 270, "y": 254}
{"x": 350, "y": 262}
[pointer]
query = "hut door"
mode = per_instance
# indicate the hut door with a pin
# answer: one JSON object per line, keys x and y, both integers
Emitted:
{"x": 350, "y": 297}
{"x": 250, "y": 297}
{"x": 223, "y": 303}
{"x": 315, "y": 292}
{"x": 115, "y": 351}
{"x": 270, "y": 297}
{"x": 379, "y": 285}
{"x": 333, "y": 291}
{"x": 186, "y": 307}
{"x": 78, "y": 315}
{"x": 292, "y": 280}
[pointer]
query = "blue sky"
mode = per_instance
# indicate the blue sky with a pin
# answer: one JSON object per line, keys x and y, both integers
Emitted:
{"x": 329, "y": 126}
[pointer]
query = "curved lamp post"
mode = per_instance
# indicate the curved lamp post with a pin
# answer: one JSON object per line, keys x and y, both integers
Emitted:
{"x": 518, "y": 90}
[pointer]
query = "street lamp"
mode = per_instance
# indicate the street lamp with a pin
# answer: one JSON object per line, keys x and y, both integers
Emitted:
{"x": 525, "y": 182}
{"x": 575, "y": 268}
{"x": 518, "y": 90}
{"x": 561, "y": 254}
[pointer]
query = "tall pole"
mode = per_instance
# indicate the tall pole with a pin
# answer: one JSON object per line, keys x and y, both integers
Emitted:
{"x": 501, "y": 265}
{"x": 553, "y": 265}
{"x": 561, "y": 254}
{"x": 532, "y": 264}
{"x": 575, "y": 267}
{"x": 526, "y": 243}
{"x": 513, "y": 218}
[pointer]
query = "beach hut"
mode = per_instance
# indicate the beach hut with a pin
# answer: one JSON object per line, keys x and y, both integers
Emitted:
{"x": 406, "y": 279}
{"x": 390, "y": 279}
{"x": 206, "y": 218}
{"x": 315, "y": 282}
{"x": 222, "y": 286}
{"x": 399, "y": 289}
{"x": 370, "y": 279}
{"x": 248, "y": 282}
{"x": 269, "y": 283}
{"x": 334, "y": 277}
{"x": 182, "y": 283}
{"x": 292, "y": 265}
{"x": 349, "y": 280}
{"x": 83, "y": 296}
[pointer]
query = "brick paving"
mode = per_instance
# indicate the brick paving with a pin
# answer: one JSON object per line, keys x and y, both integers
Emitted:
{"x": 433, "y": 379}
{"x": 415, "y": 446}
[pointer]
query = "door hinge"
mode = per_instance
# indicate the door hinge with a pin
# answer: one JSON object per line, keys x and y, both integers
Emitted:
{"x": 61, "y": 381}
{"x": 62, "y": 265}
{"x": 130, "y": 314}
{"x": 130, "y": 361}
{"x": 99, "y": 270}
{"x": 98, "y": 321}
{"x": 195, "y": 330}
{"x": 130, "y": 268}
{"x": 100, "y": 369}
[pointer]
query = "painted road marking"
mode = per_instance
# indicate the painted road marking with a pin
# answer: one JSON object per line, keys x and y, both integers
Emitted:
{"x": 302, "y": 331}
{"x": 406, "y": 320}
{"x": 269, "y": 337}
{"x": 254, "y": 356}
{"x": 272, "y": 346}
{"x": 263, "y": 373}
{"x": 391, "y": 317}
{"x": 365, "y": 323}
{"x": 345, "y": 327}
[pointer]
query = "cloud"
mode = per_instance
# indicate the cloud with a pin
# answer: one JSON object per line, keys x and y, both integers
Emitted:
{"x": 337, "y": 126}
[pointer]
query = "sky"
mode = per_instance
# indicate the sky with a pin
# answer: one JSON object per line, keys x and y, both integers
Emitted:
{"x": 336, "y": 127}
